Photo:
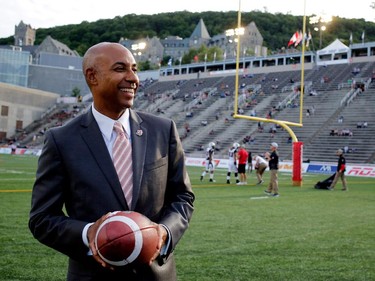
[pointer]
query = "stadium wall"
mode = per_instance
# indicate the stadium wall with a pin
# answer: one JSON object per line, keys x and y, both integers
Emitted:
{"x": 285, "y": 166}
{"x": 24, "y": 105}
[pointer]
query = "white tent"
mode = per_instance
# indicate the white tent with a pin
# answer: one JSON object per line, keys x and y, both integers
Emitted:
{"x": 334, "y": 53}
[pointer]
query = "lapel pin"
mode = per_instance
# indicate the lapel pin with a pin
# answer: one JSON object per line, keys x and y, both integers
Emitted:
{"x": 139, "y": 133}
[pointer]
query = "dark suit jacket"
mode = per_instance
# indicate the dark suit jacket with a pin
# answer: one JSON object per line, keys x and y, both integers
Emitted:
{"x": 75, "y": 172}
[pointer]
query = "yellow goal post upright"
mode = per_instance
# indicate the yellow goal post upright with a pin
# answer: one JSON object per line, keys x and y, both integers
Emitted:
{"x": 297, "y": 149}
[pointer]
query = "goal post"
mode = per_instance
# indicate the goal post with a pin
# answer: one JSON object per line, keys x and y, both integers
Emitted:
{"x": 297, "y": 149}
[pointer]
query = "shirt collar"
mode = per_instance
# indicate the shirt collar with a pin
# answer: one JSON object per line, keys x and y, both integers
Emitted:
{"x": 106, "y": 124}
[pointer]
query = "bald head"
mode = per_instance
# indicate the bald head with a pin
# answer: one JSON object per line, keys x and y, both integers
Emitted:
{"x": 110, "y": 71}
{"x": 90, "y": 59}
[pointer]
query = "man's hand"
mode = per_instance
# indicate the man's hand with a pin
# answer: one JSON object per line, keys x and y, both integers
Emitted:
{"x": 163, "y": 235}
{"x": 91, "y": 238}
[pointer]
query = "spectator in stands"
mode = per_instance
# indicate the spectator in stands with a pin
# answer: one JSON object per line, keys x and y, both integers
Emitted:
{"x": 260, "y": 126}
{"x": 253, "y": 112}
{"x": 346, "y": 132}
{"x": 77, "y": 184}
{"x": 312, "y": 110}
{"x": 346, "y": 149}
{"x": 252, "y": 139}
{"x": 273, "y": 129}
{"x": 356, "y": 70}
{"x": 340, "y": 172}
{"x": 362, "y": 124}
{"x": 334, "y": 132}
{"x": 341, "y": 119}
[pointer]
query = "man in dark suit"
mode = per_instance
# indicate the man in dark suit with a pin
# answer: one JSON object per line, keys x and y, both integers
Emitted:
{"x": 77, "y": 185}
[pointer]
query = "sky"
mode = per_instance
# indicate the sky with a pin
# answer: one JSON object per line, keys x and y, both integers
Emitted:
{"x": 51, "y": 13}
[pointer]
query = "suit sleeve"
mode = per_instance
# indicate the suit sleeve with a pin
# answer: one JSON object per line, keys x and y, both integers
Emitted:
{"x": 179, "y": 195}
{"x": 48, "y": 223}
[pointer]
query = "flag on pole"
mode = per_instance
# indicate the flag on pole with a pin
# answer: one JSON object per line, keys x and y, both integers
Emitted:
{"x": 205, "y": 57}
{"x": 363, "y": 36}
{"x": 293, "y": 39}
{"x": 215, "y": 56}
{"x": 351, "y": 38}
{"x": 299, "y": 38}
{"x": 308, "y": 38}
{"x": 170, "y": 62}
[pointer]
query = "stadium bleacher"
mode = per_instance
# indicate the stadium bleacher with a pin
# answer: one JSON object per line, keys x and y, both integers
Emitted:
{"x": 206, "y": 106}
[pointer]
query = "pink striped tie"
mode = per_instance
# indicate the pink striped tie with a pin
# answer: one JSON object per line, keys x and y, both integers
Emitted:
{"x": 122, "y": 160}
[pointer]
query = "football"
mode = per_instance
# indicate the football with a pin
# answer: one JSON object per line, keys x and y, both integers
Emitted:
{"x": 126, "y": 237}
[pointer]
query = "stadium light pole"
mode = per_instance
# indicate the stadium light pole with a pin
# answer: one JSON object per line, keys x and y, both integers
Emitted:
{"x": 138, "y": 49}
{"x": 320, "y": 21}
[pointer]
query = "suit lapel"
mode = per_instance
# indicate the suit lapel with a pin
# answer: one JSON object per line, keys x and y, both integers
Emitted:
{"x": 92, "y": 136}
{"x": 139, "y": 145}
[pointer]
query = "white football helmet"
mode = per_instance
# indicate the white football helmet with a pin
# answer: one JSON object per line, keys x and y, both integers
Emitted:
{"x": 236, "y": 145}
{"x": 211, "y": 145}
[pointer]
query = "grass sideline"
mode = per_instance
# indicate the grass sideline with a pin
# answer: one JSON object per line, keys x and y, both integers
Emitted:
{"x": 236, "y": 233}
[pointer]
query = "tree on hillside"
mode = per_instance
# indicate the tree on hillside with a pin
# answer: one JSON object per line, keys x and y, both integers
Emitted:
{"x": 276, "y": 29}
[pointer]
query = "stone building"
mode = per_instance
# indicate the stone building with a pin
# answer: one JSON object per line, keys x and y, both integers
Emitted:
{"x": 24, "y": 35}
{"x": 176, "y": 47}
{"x": 251, "y": 42}
{"x": 147, "y": 49}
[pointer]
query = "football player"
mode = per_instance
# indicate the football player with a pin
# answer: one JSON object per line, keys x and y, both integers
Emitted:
{"x": 210, "y": 165}
{"x": 232, "y": 162}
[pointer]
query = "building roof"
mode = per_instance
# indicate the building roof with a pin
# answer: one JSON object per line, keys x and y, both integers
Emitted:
{"x": 200, "y": 31}
{"x": 335, "y": 47}
{"x": 50, "y": 45}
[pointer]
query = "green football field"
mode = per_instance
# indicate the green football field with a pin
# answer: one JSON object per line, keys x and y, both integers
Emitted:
{"x": 236, "y": 233}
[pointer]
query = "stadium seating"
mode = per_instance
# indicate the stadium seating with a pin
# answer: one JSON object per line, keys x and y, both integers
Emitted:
{"x": 205, "y": 106}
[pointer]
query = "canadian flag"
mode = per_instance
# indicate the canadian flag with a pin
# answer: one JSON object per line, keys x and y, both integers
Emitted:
{"x": 299, "y": 38}
{"x": 295, "y": 39}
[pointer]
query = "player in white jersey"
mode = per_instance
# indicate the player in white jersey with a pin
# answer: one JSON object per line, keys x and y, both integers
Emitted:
{"x": 232, "y": 162}
{"x": 210, "y": 165}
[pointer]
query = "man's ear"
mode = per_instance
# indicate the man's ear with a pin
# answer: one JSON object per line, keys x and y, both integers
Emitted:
{"x": 91, "y": 76}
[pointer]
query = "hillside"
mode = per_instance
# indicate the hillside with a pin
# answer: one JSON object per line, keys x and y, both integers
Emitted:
{"x": 275, "y": 28}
